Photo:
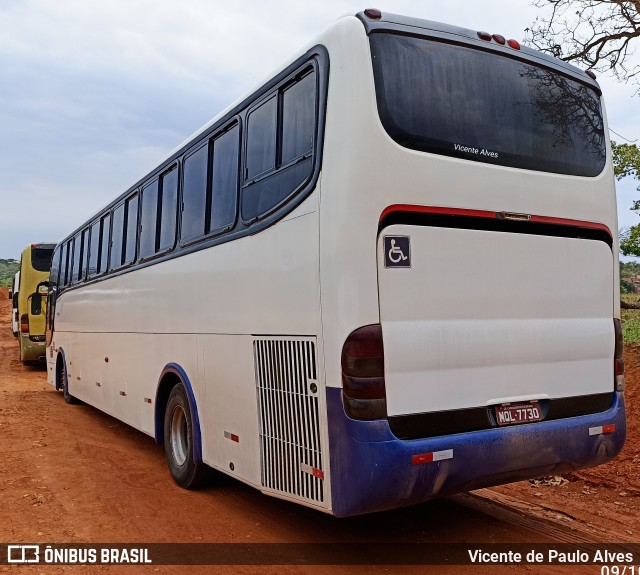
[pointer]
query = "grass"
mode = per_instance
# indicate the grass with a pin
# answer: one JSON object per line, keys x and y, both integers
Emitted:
{"x": 631, "y": 319}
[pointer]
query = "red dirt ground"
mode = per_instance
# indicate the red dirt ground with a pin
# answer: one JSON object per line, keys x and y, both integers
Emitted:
{"x": 608, "y": 496}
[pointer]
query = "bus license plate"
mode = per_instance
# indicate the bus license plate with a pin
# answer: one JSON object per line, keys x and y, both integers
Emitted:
{"x": 514, "y": 413}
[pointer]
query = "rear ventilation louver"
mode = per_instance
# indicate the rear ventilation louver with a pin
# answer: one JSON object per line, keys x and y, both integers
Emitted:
{"x": 286, "y": 377}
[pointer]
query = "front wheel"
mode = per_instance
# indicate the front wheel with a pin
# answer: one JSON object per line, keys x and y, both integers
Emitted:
{"x": 64, "y": 380}
{"x": 178, "y": 441}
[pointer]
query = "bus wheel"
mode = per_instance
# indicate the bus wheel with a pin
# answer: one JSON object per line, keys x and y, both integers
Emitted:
{"x": 178, "y": 441}
{"x": 65, "y": 385}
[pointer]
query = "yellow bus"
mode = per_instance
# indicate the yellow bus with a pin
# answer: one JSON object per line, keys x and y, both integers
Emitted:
{"x": 34, "y": 277}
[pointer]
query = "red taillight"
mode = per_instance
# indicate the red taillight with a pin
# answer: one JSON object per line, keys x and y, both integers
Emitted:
{"x": 373, "y": 13}
{"x": 618, "y": 362}
{"x": 484, "y": 36}
{"x": 363, "y": 353}
{"x": 499, "y": 39}
{"x": 363, "y": 386}
{"x": 591, "y": 74}
{"x": 513, "y": 44}
{"x": 24, "y": 324}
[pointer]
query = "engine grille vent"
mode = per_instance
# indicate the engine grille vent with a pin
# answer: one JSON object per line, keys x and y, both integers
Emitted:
{"x": 286, "y": 377}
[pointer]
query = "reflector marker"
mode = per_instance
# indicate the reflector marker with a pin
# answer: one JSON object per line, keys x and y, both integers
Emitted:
{"x": 147, "y": 400}
{"x": 433, "y": 456}
{"x": 602, "y": 429}
{"x": 232, "y": 436}
{"x": 312, "y": 471}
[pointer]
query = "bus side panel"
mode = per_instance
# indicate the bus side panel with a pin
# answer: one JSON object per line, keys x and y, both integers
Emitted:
{"x": 102, "y": 374}
{"x": 230, "y": 406}
{"x": 200, "y": 311}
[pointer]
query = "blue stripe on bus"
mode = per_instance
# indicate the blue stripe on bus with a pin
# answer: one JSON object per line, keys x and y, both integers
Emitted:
{"x": 372, "y": 470}
{"x": 195, "y": 420}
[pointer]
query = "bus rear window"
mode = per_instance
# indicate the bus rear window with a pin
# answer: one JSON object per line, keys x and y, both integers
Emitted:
{"x": 466, "y": 103}
{"x": 41, "y": 258}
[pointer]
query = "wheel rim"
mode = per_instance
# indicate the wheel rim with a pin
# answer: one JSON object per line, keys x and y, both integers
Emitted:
{"x": 179, "y": 442}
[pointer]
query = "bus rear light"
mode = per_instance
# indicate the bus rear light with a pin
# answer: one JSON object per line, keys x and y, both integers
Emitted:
{"x": 591, "y": 74}
{"x": 363, "y": 387}
{"x": 618, "y": 362}
{"x": 484, "y": 36}
{"x": 373, "y": 13}
{"x": 499, "y": 39}
{"x": 513, "y": 44}
{"x": 24, "y": 324}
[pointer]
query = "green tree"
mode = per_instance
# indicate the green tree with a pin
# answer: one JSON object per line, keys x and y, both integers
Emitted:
{"x": 626, "y": 163}
{"x": 7, "y": 270}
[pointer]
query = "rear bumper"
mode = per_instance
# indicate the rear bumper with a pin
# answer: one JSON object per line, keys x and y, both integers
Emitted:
{"x": 32, "y": 350}
{"x": 372, "y": 470}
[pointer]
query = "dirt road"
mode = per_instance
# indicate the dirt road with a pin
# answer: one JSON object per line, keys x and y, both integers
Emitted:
{"x": 72, "y": 474}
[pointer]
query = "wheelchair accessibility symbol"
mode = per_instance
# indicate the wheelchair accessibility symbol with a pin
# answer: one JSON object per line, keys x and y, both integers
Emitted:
{"x": 397, "y": 252}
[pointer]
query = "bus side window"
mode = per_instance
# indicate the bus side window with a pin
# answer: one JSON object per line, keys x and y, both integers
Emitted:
{"x": 94, "y": 249}
{"x": 64, "y": 266}
{"x": 54, "y": 276}
{"x": 261, "y": 139}
{"x": 104, "y": 243}
{"x": 149, "y": 220}
{"x": 117, "y": 234}
{"x": 131, "y": 230}
{"x": 298, "y": 118}
{"x": 194, "y": 194}
{"x": 224, "y": 187}
{"x": 167, "y": 209}
{"x": 75, "y": 260}
{"x": 275, "y": 169}
{"x": 84, "y": 255}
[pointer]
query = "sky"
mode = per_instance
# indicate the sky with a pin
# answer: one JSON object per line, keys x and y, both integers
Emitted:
{"x": 94, "y": 94}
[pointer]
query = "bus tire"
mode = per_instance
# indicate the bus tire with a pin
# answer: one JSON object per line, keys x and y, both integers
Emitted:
{"x": 178, "y": 441}
{"x": 64, "y": 380}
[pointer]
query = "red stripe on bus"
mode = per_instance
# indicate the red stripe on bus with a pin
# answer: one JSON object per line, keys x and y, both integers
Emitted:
{"x": 436, "y": 210}
{"x": 490, "y": 215}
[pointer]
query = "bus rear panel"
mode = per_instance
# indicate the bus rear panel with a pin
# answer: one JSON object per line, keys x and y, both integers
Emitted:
{"x": 482, "y": 344}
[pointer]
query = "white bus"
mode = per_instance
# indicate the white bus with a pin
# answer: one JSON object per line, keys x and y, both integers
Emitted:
{"x": 389, "y": 273}
{"x": 13, "y": 295}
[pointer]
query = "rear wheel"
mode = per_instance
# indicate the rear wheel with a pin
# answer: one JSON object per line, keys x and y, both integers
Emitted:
{"x": 178, "y": 441}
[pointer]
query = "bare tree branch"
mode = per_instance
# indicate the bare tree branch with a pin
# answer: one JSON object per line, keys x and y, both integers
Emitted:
{"x": 598, "y": 33}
